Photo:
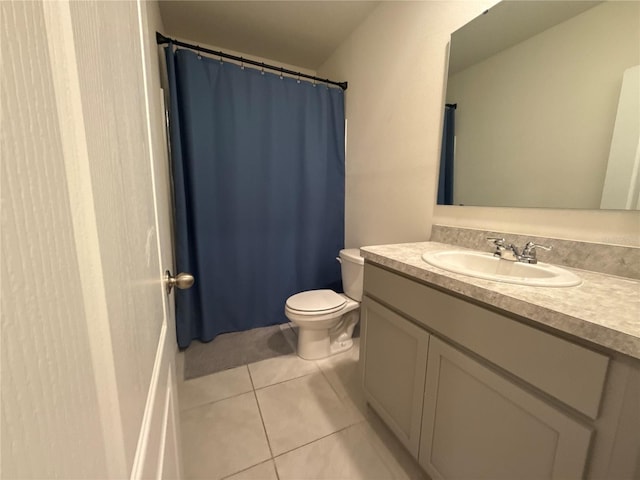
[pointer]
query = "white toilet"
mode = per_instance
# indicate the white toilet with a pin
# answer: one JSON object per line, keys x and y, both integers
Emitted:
{"x": 326, "y": 319}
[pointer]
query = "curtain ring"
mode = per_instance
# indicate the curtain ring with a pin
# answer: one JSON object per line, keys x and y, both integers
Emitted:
{"x": 281, "y": 73}
{"x": 298, "y": 77}
{"x": 262, "y": 69}
{"x": 198, "y": 50}
{"x": 241, "y": 63}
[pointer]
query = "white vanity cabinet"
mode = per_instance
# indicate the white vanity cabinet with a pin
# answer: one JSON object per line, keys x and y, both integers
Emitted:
{"x": 395, "y": 362}
{"x": 475, "y": 394}
{"x": 478, "y": 424}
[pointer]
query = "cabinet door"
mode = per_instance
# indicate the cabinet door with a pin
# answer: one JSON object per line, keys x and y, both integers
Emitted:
{"x": 395, "y": 360}
{"x": 477, "y": 424}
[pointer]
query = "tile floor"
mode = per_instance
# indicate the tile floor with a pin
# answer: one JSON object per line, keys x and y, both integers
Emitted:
{"x": 287, "y": 418}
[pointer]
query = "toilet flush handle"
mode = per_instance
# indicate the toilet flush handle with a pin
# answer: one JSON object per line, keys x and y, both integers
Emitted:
{"x": 338, "y": 258}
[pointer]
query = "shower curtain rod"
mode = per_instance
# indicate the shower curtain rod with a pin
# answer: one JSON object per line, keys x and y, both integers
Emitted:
{"x": 161, "y": 39}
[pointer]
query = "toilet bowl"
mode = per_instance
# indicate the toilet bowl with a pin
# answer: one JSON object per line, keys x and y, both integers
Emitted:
{"x": 326, "y": 319}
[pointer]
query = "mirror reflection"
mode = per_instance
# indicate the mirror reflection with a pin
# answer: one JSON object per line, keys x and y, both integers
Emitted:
{"x": 543, "y": 107}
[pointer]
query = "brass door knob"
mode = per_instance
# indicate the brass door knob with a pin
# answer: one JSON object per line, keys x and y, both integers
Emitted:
{"x": 181, "y": 281}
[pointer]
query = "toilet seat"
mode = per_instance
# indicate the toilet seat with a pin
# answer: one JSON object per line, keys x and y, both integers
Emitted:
{"x": 325, "y": 319}
{"x": 316, "y": 302}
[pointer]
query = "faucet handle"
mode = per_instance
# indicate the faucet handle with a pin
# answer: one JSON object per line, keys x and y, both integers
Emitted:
{"x": 497, "y": 241}
{"x": 500, "y": 244}
{"x": 529, "y": 252}
{"x": 530, "y": 248}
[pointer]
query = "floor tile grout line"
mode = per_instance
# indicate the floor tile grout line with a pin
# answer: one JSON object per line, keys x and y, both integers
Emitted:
{"x": 188, "y": 409}
{"x": 273, "y": 457}
{"x": 329, "y": 372}
{"x": 253, "y": 387}
{"x": 326, "y": 371}
{"x": 285, "y": 381}
{"x": 264, "y": 427}
{"x": 330, "y": 384}
{"x": 249, "y": 468}
{"x": 218, "y": 400}
{"x": 317, "y": 439}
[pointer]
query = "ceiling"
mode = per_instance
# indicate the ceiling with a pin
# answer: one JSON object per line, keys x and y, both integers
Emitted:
{"x": 300, "y": 33}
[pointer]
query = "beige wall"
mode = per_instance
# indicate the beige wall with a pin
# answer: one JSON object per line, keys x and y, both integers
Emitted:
{"x": 534, "y": 122}
{"x": 395, "y": 65}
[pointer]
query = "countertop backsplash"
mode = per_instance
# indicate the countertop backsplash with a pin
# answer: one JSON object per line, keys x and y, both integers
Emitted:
{"x": 597, "y": 257}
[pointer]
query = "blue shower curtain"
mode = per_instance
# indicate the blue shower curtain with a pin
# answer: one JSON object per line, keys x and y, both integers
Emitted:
{"x": 258, "y": 167}
{"x": 445, "y": 182}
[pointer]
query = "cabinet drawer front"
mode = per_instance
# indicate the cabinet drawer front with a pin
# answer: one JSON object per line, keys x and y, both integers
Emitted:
{"x": 571, "y": 373}
{"x": 395, "y": 362}
{"x": 477, "y": 424}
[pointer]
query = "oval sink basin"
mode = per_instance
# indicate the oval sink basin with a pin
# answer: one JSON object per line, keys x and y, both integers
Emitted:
{"x": 488, "y": 267}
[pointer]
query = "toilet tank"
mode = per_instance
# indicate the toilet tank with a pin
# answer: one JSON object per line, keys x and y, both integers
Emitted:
{"x": 352, "y": 272}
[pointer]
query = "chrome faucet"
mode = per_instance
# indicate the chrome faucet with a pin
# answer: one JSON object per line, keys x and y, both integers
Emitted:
{"x": 508, "y": 251}
{"x": 529, "y": 252}
{"x": 504, "y": 250}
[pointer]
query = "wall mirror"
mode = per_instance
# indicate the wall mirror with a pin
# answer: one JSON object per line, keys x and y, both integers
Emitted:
{"x": 543, "y": 107}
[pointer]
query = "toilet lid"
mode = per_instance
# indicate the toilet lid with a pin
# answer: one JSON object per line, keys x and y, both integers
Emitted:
{"x": 325, "y": 301}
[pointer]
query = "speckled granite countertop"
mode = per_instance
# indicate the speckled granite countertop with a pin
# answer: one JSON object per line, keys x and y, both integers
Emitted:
{"x": 604, "y": 310}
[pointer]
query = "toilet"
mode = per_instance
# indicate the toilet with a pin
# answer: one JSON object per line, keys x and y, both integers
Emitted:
{"x": 326, "y": 319}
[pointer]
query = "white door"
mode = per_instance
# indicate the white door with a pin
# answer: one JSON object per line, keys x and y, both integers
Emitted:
{"x": 88, "y": 335}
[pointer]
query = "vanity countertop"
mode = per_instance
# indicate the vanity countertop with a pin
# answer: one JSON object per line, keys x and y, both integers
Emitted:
{"x": 604, "y": 309}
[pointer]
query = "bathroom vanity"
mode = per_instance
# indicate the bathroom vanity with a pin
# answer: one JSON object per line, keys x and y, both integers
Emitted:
{"x": 480, "y": 379}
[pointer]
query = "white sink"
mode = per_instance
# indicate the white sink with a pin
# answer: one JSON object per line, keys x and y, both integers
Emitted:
{"x": 485, "y": 265}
